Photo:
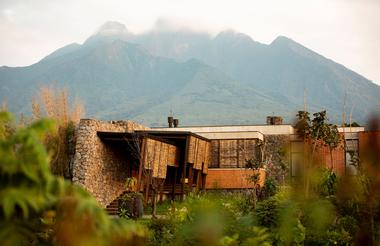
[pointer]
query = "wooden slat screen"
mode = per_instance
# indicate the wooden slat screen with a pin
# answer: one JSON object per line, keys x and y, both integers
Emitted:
{"x": 158, "y": 155}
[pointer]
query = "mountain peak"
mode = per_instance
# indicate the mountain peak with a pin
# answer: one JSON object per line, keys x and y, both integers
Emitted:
{"x": 231, "y": 35}
{"x": 109, "y": 32}
{"x": 282, "y": 40}
{"x": 112, "y": 28}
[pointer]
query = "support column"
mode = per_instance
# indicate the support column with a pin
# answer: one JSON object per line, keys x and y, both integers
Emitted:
{"x": 191, "y": 173}
{"x": 141, "y": 166}
{"x": 183, "y": 181}
{"x": 174, "y": 182}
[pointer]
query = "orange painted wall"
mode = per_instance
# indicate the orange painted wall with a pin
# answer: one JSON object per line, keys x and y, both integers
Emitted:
{"x": 369, "y": 145}
{"x": 231, "y": 178}
{"x": 323, "y": 157}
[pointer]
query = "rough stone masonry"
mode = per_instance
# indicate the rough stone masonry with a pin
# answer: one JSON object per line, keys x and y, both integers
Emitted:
{"x": 96, "y": 167}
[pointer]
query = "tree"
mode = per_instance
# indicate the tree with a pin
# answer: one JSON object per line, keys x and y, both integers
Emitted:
{"x": 255, "y": 164}
{"x": 332, "y": 139}
{"x": 317, "y": 132}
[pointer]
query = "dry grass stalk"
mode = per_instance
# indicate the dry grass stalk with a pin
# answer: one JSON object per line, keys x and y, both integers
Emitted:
{"x": 54, "y": 103}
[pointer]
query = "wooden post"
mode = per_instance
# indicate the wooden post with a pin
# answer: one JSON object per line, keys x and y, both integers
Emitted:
{"x": 147, "y": 187}
{"x": 199, "y": 179}
{"x": 142, "y": 161}
{"x": 184, "y": 168}
{"x": 161, "y": 192}
{"x": 191, "y": 173}
{"x": 204, "y": 182}
{"x": 183, "y": 181}
{"x": 174, "y": 182}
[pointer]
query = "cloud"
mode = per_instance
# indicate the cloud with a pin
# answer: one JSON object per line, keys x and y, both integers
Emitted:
{"x": 343, "y": 30}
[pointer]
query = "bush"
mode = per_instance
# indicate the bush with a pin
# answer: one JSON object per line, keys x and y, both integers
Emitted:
{"x": 131, "y": 206}
{"x": 38, "y": 208}
{"x": 163, "y": 231}
{"x": 270, "y": 187}
{"x": 267, "y": 212}
{"x": 328, "y": 183}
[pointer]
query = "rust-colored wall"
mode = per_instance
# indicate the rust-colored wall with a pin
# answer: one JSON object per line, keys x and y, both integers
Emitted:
{"x": 321, "y": 156}
{"x": 369, "y": 146}
{"x": 338, "y": 155}
{"x": 231, "y": 178}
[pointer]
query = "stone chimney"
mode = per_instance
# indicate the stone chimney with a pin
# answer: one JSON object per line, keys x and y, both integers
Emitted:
{"x": 170, "y": 121}
{"x": 274, "y": 120}
{"x": 176, "y": 122}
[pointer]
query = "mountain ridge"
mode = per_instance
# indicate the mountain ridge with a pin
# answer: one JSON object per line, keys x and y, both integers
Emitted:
{"x": 145, "y": 76}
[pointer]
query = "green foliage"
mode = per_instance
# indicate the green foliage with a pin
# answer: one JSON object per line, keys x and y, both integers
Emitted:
{"x": 254, "y": 164}
{"x": 37, "y": 207}
{"x": 328, "y": 183}
{"x": 318, "y": 125}
{"x": 259, "y": 237}
{"x": 163, "y": 230}
{"x": 130, "y": 183}
{"x": 131, "y": 205}
{"x": 267, "y": 212}
{"x": 270, "y": 186}
{"x": 331, "y": 136}
{"x": 303, "y": 123}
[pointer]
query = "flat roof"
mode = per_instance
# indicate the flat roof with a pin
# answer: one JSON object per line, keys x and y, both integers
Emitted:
{"x": 125, "y": 136}
{"x": 262, "y": 129}
{"x": 173, "y": 133}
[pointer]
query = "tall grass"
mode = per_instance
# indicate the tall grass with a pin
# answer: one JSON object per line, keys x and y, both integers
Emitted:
{"x": 54, "y": 103}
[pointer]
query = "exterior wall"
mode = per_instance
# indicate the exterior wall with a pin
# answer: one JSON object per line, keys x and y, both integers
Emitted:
{"x": 321, "y": 157}
{"x": 338, "y": 157}
{"x": 369, "y": 148}
{"x": 277, "y": 156}
{"x": 231, "y": 178}
{"x": 97, "y": 167}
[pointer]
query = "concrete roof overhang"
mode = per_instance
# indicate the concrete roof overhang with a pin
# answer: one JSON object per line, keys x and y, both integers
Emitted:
{"x": 177, "y": 138}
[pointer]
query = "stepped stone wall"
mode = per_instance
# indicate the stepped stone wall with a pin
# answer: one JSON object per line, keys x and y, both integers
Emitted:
{"x": 99, "y": 168}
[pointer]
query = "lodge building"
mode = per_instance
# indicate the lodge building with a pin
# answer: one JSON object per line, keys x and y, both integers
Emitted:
{"x": 175, "y": 160}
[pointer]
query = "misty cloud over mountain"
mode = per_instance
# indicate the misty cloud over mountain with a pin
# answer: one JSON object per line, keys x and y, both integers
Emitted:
{"x": 224, "y": 79}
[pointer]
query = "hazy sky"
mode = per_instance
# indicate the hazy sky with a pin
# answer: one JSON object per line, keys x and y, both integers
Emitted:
{"x": 347, "y": 31}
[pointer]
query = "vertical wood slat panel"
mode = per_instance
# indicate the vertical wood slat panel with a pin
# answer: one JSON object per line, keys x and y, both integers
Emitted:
{"x": 214, "y": 153}
{"x": 191, "y": 149}
{"x": 158, "y": 156}
{"x": 206, "y": 159}
{"x": 228, "y": 153}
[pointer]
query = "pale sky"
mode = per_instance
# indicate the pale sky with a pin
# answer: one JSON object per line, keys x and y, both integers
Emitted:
{"x": 346, "y": 31}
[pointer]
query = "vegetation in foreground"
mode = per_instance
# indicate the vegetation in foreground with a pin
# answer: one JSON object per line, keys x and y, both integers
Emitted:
{"x": 37, "y": 207}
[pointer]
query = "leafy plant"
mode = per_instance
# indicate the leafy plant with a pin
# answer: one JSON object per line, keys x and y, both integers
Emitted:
{"x": 328, "y": 183}
{"x": 37, "y": 207}
{"x": 131, "y": 205}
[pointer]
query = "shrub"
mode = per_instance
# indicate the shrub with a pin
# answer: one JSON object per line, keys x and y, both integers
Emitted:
{"x": 328, "y": 183}
{"x": 267, "y": 212}
{"x": 131, "y": 206}
{"x": 37, "y": 207}
{"x": 162, "y": 231}
{"x": 270, "y": 187}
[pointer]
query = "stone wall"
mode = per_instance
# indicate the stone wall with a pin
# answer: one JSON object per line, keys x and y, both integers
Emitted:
{"x": 277, "y": 157}
{"x": 100, "y": 168}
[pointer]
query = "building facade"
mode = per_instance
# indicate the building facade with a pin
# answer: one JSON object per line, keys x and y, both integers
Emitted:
{"x": 175, "y": 160}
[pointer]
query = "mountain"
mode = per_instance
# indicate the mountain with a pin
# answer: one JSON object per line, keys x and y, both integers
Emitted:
{"x": 226, "y": 79}
{"x": 283, "y": 70}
